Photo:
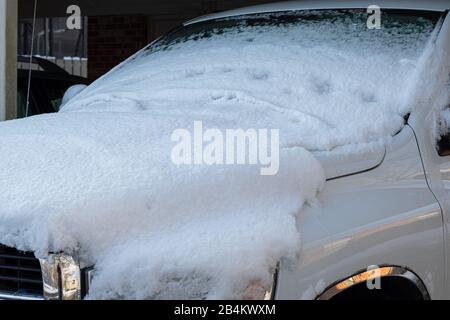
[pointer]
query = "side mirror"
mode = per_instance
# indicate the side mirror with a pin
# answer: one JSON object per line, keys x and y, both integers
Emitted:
{"x": 71, "y": 93}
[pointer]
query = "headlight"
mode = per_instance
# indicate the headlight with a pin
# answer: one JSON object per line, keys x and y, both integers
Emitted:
{"x": 61, "y": 275}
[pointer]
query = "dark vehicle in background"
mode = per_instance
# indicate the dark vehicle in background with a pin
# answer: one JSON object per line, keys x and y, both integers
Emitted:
{"x": 49, "y": 82}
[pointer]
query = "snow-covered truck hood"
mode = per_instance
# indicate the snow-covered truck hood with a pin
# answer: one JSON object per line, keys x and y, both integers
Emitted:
{"x": 71, "y": 166}
{"x": 104, "y": 186}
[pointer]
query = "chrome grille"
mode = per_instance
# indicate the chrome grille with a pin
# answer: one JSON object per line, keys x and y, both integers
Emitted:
{"x": 20, "y": 273}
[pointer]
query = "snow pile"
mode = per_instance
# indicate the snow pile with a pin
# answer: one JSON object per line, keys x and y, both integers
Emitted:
{"x": 438, "y": 98}
{"x": 97, "y": 178}
{"x": 111, "y": 191}
{"x": 428, "y": 88}
{"x": 72, "y": 92}
{"x": 334, "y": 77}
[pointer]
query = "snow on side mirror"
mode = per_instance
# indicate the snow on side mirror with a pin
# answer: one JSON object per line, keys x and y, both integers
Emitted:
{"x": 71, "y": 93}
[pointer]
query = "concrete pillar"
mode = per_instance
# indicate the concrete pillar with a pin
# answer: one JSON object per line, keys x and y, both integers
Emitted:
{"x": 8, "y": 59}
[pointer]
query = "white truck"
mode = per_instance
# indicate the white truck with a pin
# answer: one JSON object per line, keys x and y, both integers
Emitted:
{"x": 383, "y": 213}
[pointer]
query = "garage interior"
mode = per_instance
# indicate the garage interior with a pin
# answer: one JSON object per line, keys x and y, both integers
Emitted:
{"x": 110, "y": 32}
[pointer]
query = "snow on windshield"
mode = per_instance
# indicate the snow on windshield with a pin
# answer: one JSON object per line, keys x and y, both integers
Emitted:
{"x": 323, "y": 78}
{"x": 97, "y": 178}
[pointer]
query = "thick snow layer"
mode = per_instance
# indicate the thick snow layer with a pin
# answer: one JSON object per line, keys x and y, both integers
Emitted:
{"x": 335, "y": 78}
{"x": 72, "y": 92}
{"x": 96, "y": 179}
{"x": 108, "y": 188}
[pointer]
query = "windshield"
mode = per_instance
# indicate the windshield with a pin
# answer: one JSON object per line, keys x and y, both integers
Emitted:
{"x": 305, "y": 28}
{"x": 319, "y": 69}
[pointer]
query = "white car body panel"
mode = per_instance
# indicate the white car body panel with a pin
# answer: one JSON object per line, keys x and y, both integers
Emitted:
{"x": 437, "y": 168}
{"x": 381, "y": 217}
{"x": 397, "y": 214}
{"x": 339, "y": 165}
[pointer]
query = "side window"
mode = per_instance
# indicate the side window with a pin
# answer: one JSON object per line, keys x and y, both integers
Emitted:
{"x": 443, "y": 143}
{"x": 444, "y": 146}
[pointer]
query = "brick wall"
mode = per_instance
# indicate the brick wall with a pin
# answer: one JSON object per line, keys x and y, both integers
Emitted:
{"x": 112, "y": 39}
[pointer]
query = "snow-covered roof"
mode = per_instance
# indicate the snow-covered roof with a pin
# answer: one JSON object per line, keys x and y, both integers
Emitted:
{"x": 428, "y": 5}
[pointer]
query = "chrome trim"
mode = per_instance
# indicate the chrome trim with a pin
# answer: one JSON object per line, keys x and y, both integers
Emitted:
{"x": 367, "y": 275}
{"x": 272, "y": 293}
{"x": 50, "y": 278}
{"x": 89, "y": 275}
{"x": 6, "y": 296}
{"x": 61, "y": 275}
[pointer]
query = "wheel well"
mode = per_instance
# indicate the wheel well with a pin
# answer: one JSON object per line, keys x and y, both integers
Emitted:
{"x": 392, "y": 288}
{"x": 387, "y": 283}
